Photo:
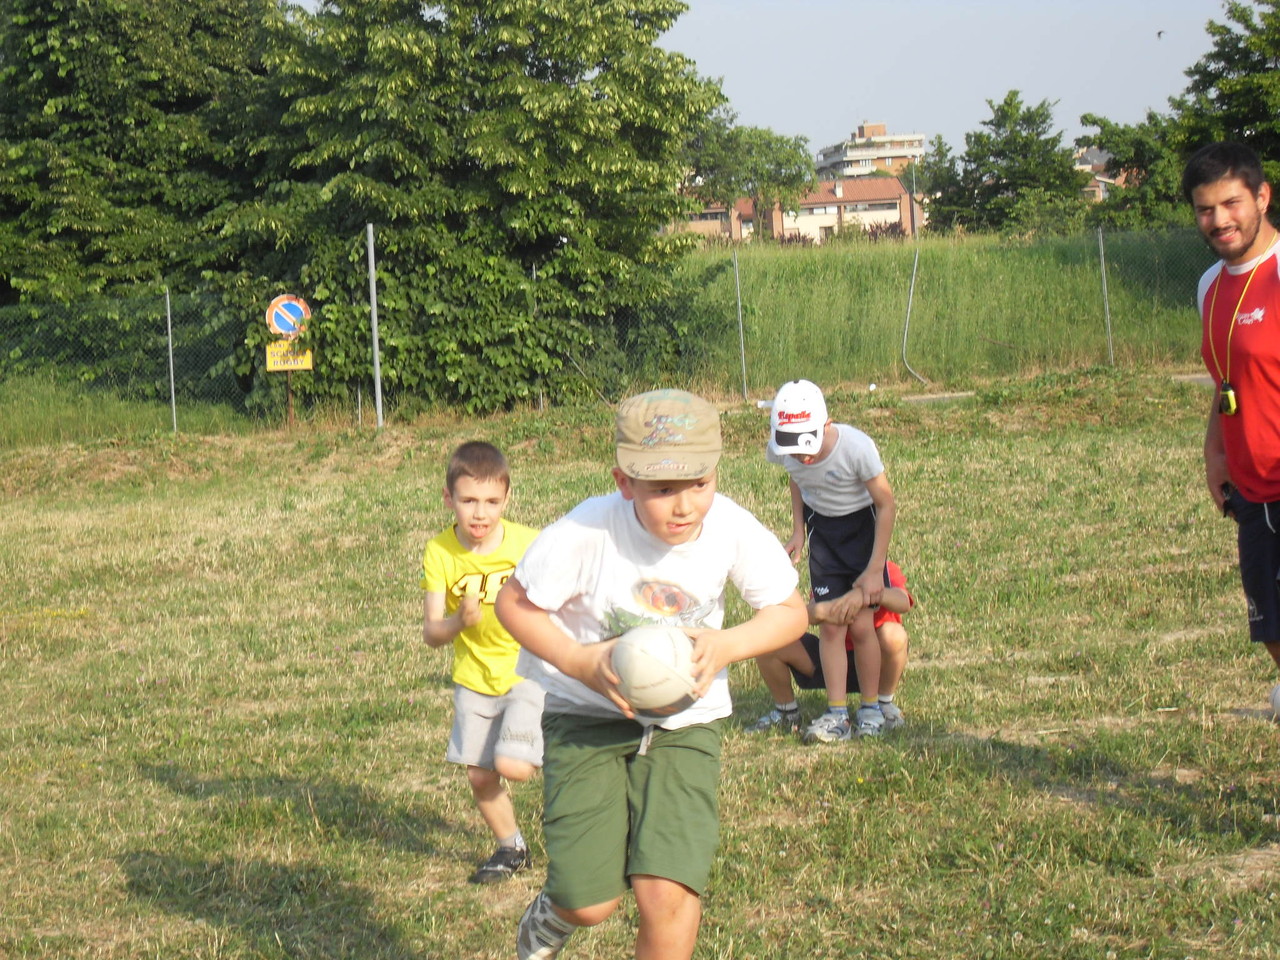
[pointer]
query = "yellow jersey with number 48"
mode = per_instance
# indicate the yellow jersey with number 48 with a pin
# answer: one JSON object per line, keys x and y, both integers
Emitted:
{"x": 484, "y": 656}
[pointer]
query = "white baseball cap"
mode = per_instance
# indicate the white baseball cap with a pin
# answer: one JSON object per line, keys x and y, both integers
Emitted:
{"x": 797, "y": 419}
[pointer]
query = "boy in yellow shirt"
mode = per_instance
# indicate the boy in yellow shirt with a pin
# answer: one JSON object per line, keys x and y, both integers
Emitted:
{"x": 497, "y": 725}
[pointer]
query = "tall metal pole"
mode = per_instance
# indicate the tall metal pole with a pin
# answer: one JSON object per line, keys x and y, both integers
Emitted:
{"x": 1106, "y": 299}
{"x": 911, "y": 292}
{"x": 173, "y": 397}
{"x": 742, "y": 336}
{"x": 373, "y": 320}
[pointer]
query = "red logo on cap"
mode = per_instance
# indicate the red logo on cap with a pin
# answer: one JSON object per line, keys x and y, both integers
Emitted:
{"x": 801, "y": 417}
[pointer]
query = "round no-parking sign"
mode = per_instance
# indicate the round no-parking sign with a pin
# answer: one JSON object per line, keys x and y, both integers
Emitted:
{"x": 287, "y": 316}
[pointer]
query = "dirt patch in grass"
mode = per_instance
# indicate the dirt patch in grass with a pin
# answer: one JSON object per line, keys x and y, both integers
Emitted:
{"x": 1253, "y": 869}
{"x": 1180, "y": 775}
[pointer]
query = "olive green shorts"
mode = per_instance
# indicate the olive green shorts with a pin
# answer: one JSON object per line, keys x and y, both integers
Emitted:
{"x": 613, "y": 811}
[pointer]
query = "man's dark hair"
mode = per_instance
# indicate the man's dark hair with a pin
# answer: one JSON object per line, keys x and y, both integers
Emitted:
{"x": 479, "y": 461}
{"x": 1221, "y": 161}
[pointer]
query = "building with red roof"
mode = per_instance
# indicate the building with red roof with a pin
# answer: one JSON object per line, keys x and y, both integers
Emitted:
{"x": 854, "y": 203}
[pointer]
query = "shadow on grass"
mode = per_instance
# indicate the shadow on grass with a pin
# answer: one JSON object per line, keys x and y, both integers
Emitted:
{"x": 1090, "y": 775}
{"x": 290, "y": 911}
{"x": 332, "y": 809}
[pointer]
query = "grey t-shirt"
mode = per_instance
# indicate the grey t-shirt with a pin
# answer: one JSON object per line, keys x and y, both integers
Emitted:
{"x": 836, "y": 485}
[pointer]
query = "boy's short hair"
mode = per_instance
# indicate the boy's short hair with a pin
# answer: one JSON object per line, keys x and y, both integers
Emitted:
{"x": 667, "y": 435}
{"x": 479, "y": 461}
{"x": 797, "y": 418}
{"x": 1221, "y": 161}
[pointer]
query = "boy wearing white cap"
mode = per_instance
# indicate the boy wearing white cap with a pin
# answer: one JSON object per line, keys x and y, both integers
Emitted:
{"x": 843, "y": 507}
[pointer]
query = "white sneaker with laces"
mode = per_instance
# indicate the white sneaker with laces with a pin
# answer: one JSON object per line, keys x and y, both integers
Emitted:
{"x": 541, "y": 934}
{"x": 828, "y": 728}
{"x": 869, "y": 722}
{"x": 893, "y": 718}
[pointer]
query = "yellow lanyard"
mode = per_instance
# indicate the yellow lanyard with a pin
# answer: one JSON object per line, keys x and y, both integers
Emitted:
{"x": 1213, "y": 302}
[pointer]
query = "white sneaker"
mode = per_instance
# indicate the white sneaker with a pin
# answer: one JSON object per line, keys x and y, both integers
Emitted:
{"x": 787, "y": 721}
{"x": 541, "y": 934}
{"x": 1275, "y": 701}
{"x": 893, "y": 718}
{"x": 828, "y": 728}
{"x": 869, "y": 722}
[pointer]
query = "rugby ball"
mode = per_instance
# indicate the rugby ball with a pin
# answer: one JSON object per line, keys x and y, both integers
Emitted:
{"x": 654, "y": 667}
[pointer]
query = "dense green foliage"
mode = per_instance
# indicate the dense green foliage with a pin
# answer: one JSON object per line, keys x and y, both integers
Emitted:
{"x": 1015, "y": 173}
{"x": 1235, "y": 88}
{"x": 116, "y": 138}
{"x": 729, "y": 161}
{"x": 1147, "y": 158}
{"x": 516, "y": 158}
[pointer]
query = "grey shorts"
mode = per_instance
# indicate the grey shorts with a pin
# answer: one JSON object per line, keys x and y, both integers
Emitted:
{"x": 485, "y": 726}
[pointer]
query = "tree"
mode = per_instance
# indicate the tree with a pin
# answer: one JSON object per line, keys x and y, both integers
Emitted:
{"x": 1234, "y": 91}
{"x": 730, "y": 162}
{"x": 777, "y": 170}
{"x": 1016, "y": 152}
{"x": 517, "y": 160}
{"x": 1146, "y": 160}
{"x": 1233, "y": 94}
{"x": 110, "y": 154}
{"x": 938, "y": 181}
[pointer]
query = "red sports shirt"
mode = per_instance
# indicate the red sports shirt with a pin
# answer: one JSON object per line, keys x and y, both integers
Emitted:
{"x": 1250, "y": 363}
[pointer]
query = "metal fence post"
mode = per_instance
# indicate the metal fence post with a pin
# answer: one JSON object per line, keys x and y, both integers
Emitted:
{"x": 1106, "y": 299}
{"x": 742, "y": 335}
{"x": 373, "y": 320}
{"x": 173, "y": 395}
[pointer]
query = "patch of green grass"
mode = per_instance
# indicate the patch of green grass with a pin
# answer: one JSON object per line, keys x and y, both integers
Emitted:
{"x": 981, "y": 307}
{"x": 40, "y": 409}
{"x": 224, "y": 738}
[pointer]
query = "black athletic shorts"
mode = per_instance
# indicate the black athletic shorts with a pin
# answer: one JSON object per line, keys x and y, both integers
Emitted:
{"x": 839, "y": 550}
{"x": 817, "y": 680}
{"x": 1258, "y": 538}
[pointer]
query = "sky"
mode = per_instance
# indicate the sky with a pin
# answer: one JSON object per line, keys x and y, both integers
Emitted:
{"x": 818, "y": 68}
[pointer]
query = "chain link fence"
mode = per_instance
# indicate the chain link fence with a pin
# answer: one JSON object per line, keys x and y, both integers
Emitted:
{"x": 178, "y": 349}
{"x": 735, "y": 324}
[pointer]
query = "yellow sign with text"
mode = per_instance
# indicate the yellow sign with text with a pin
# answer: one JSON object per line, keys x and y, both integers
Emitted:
{"x": 284, "y": 355}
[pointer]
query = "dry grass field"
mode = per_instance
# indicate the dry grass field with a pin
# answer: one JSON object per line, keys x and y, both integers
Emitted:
{"x": 224, "y": 738}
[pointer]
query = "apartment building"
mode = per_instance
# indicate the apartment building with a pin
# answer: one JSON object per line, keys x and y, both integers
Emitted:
{"x": 869, "y": 149}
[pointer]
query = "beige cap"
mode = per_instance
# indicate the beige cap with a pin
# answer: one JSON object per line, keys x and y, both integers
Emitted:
{"x": 667, "y": 435}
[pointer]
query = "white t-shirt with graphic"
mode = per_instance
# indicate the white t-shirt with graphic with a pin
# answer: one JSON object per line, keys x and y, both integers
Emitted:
{"x": 598, "y": 573}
